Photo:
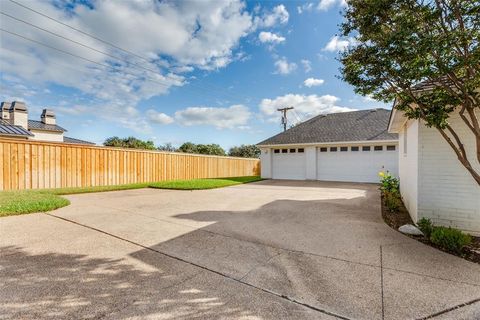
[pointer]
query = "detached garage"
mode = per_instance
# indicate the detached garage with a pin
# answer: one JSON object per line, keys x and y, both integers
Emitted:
{"x": 350, "y": 146}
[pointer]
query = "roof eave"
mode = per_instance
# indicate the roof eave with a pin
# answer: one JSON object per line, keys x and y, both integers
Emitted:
{"x": 397, "y": 119}
{"x": 327, "y": 143}
{"x": 47, "y": 130}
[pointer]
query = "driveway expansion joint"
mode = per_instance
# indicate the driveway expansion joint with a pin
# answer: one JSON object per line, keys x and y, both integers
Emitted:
{"x": 457, "y": 307}
{"x": 282, "y": 296}
{"x": 381, "y": 282}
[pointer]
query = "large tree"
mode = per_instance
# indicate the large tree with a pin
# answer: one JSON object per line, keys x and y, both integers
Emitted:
{"x": 425, "y": 55}
{"x": 130, "y": 142}
{"x": 210, "y": 149}
{"x": 245, "y": 151}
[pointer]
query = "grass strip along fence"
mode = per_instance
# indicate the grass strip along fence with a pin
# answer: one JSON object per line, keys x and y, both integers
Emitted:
{"x": 29, "y": 201}
{"x": 28, "y": 164}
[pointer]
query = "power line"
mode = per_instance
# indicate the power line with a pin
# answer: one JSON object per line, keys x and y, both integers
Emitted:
{"x": 296, "y": 115}
{"x": 78, "y": 43}
{"x": 70, "y": 66}
{"x": 222, "y": 90}
{"x": 78, "y": 57}
{"x": 78, "y": 30}
{"x": 96, "y": 50}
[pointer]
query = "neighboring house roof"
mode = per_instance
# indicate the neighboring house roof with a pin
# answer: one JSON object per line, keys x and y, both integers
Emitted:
{"x": 76, "y": 141}
{"x": 398, "y": 118}
{"x": 39, "y": 125}
{"x": 429, "y": 85}
{"x": 6, "y": 128}
{"x": 362, "y": 125}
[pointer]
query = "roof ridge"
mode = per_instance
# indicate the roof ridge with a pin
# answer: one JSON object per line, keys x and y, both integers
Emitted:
{"x": 357, "y": 125}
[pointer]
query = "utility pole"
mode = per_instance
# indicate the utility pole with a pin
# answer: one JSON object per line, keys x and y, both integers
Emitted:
{"x": 284, "y": 117}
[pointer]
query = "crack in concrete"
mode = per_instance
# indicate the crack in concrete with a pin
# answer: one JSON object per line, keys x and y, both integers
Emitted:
{"x": 261, "y": 264}
{"x": 285, "y": 297}
{"x": 300, "y": 251}
{"x": 458, "y": 306}
{"x": 381, "y": 282}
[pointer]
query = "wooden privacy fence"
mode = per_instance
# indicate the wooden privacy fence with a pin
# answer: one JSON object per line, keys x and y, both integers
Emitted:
{"x": 36, "y": 165}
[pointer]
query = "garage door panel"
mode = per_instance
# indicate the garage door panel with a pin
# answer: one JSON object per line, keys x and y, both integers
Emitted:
{"x": 355, "y": 166}
{"x": 289, "y": 166}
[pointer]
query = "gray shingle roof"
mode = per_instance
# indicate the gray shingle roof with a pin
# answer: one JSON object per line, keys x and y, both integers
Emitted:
{"x": 429, "y": 85}
{"x": 76, "y": 141}
{"x": 39, "y": 125}
{"x": 363, "y": 125}
{"x": 9, "y": 129}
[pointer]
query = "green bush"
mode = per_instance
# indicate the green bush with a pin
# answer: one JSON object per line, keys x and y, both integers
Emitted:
{"x": 392, "y": 200}
{"x": 388, "y": 183}
{"x": 426, "y": 226}
{"x": 390, "y": 188}
{"x": 450, "y": 239}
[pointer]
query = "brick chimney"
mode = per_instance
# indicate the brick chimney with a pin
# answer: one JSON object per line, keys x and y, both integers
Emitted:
{"x": 48, "y": 116}
{"x": 19, "y": 114}
{"x": 5, "y": 110}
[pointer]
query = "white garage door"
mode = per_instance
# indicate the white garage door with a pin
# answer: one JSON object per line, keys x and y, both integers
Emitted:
{"x": 289, "y": 164}
{"x": 355, "y": 163}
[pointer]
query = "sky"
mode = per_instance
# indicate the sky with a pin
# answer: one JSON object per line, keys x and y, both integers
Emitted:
{"x": 168, "y": 71}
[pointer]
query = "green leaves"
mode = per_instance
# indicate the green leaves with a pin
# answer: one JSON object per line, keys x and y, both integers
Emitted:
{"x": 130, "y": 142}
{"x": 211, "y": 149}
{"x": 405, "y": 42}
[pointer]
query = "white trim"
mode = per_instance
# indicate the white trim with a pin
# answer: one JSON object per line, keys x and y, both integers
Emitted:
{"x": 371, "y": 142}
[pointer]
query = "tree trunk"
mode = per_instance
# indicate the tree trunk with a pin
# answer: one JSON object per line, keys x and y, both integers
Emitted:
{"x": 461, "y": 154}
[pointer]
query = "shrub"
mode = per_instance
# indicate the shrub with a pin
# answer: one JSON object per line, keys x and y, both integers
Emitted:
{"x": 388, "y": 183}
{"x": 392, "y": 200}
{"x": 450, "y": 239}
{"x": 426, "y": 226}
{"x": 390, "y": 188}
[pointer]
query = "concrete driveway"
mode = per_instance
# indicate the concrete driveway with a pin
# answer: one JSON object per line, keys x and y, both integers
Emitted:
{"x": 266, "y": 250}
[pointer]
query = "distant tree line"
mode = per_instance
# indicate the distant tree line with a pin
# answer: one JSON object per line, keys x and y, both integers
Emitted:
{"x": 244, "y": 151}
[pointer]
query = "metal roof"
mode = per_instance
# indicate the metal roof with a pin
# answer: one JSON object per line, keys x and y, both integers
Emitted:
{"x": 39, "y": 125}
{"x": 76, "y": 141}
{"x": 362, "y": 125}
{"x": 9, "y": 129}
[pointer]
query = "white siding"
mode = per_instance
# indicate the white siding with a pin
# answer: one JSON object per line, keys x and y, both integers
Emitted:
{"x": 47, "y": 136}
{"x": 266, "y": 163}
{"x": 408, "y": 166}
{"x": 311, "y": 163}
{"x": 447, "y": 192}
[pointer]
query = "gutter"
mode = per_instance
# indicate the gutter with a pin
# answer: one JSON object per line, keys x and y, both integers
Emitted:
{"x": 328, "y": 143}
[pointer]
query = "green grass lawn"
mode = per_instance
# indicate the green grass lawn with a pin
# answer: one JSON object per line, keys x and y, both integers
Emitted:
{"x": 20, "y": 202}
{"x": 200, "y": 184}
{"x": 29, "y": 201}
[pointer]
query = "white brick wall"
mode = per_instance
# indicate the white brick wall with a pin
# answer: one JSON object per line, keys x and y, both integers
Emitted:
{"x": 266, "y": 163}
{"x": 47, "y": 136}
{"x": 408, "y": 167}
{"x": 446, "y": 191}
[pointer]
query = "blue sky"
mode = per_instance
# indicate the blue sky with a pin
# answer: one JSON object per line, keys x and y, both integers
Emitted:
{"x": 206, "y": 72}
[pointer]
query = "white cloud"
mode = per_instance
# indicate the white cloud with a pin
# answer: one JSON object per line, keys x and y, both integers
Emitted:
{"x": 325, "y": 5}
{"x": 305, "y": 7}
{"x": 307, "y": 65}
{"x": 306, "y": 106}
{"x": 235, "y": 116}
{"x": 190, "y": 35}
{"x": 312, "y": 82}
{"x": 159, "y": 117}
{"x": 278, "y": 15}
{"x": 339, "y": 44}
{"x": 268, "y": 37}
{"x": 284, "y": 67}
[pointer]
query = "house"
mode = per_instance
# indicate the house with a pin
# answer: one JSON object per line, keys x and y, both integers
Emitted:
{"x": 14, "y": 124}
{"x": 433, "y": 183}
{"x": 349, "y": 146}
